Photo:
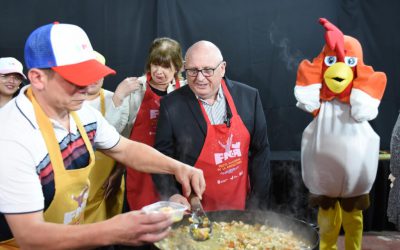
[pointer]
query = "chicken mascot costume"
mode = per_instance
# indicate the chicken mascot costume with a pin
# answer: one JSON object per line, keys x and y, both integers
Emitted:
{"x": 339, "y": 149}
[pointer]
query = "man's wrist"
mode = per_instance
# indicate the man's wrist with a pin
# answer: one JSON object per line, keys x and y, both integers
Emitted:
{"x": 178, "y": 168}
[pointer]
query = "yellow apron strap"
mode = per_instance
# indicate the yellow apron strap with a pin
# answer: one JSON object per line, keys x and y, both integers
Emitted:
{"x": 102, "y": 103}
{"x": 46, "y": 128}
{"x": 84, "y": 135}
{"x": 61, "y": 175}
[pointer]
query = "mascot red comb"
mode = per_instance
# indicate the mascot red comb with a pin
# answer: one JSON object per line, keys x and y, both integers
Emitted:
{"x": 339, "y": 149}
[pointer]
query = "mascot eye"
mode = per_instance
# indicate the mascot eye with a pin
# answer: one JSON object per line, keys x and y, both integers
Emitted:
{"x": 350, "y": 61}
{"x": 330, "y": 60}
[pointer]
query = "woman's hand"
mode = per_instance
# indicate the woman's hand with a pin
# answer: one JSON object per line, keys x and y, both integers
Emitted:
{"x": 113, "y": 182}
{"x": 125, "y": 88}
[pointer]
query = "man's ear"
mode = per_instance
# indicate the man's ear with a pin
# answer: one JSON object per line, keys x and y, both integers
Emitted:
{"x": 37, "y": 78}
{"x": 223, "y": 67}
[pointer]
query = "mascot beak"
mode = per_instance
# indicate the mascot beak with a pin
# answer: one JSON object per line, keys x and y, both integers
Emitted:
{"x": 338, "y": 76}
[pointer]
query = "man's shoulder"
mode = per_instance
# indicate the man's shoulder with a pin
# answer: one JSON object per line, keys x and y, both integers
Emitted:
{"x": 238, "y": 88}
{"x": 16, "y": 117}
{"x": 239, "y": 85}
{"x": 178, "y": 94}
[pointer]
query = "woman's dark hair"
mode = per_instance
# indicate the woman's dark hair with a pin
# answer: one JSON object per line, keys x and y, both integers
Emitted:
{"x": 164, "y": 51}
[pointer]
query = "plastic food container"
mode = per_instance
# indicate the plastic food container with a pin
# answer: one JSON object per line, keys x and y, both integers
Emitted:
{"x": 176, "y": 210}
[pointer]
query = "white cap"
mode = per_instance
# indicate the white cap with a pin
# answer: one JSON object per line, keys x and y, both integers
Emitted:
{"x": 10, "y": 65}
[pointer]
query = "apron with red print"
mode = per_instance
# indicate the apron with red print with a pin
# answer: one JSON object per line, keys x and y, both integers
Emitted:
{"x": 224, "y": 161}
{"x": 140, "y": 189}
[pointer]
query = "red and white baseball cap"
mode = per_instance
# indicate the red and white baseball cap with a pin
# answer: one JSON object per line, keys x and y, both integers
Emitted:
{"x": 10, "y": 65}
{"x": 66, "y": 49}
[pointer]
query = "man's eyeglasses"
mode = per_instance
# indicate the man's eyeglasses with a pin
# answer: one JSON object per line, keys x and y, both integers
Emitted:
{"x": 207, "y": 72}
{"x": 14, "y": 77}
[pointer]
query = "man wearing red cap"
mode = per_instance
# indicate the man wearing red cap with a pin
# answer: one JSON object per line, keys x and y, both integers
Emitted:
{"x": 48, "y": 140}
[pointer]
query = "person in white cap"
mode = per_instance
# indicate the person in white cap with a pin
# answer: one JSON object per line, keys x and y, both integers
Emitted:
{"x": 48, "y": 140}
{"x": 11, "y": 77}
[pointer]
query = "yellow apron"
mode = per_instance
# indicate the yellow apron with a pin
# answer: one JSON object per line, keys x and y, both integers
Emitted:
{"x": 71, "y": 186}
{"x": 98, "y": 208}
{"x": 10, "y": 244}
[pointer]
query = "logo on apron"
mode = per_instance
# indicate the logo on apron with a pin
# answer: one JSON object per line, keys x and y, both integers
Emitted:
{"x": 75, "y": 216}
{"x": 231, "y": 150}
{"x": 154, "y": 113}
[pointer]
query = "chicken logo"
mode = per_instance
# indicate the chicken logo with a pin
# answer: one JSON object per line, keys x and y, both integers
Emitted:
{"x": 76, "y": 216}
{"x": 81, "y": 198}
{"x": 230, "y": 150}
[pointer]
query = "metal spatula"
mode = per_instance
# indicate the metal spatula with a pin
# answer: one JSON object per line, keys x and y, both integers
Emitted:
{"x": 201, "y": 227}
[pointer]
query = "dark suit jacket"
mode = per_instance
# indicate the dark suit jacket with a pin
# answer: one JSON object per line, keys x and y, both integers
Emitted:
{"x": 182, "y": 129}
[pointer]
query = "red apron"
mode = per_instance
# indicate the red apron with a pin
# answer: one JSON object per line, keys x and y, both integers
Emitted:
{"x": 140, "y": 189}
{"x": 224, "y": 161}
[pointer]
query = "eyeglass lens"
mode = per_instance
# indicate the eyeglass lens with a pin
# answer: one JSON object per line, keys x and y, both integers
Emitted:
{"x": 207, "y": 72}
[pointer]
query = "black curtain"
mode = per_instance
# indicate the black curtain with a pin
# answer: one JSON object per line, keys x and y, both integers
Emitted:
{"x": 262, "y": 41}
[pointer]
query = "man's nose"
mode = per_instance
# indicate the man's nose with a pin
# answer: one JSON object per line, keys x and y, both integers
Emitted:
{"x": 200, "y": 75}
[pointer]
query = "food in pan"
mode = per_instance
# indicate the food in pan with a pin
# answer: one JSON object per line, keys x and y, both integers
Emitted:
{"x": 200, "y": 233}
{"x": 234, "y": 235}
{"x": 200, "y": 228}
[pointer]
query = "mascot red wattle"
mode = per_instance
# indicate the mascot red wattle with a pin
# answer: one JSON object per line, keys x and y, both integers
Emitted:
{"x": 339, "y": 149}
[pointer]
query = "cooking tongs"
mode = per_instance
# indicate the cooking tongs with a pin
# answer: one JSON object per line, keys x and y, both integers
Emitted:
{"x": 201, "y": 226}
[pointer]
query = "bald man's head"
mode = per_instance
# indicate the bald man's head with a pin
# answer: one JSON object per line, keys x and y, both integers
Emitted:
{"x": 205, "y": 68}
{"x": 206, "y": 48}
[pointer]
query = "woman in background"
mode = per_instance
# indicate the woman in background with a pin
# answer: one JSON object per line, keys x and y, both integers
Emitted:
{"x": 11, "y": 77}
{"x": 162, "y": 75}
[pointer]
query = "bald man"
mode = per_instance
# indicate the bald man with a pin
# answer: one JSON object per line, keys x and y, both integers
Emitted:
{"x": 219, "y": 126}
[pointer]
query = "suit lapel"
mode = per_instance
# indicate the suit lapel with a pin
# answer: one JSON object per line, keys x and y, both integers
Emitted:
{"x": 194, "y": 107}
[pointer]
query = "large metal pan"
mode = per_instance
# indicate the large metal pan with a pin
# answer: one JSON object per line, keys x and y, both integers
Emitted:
{"x": 303, "y": 230}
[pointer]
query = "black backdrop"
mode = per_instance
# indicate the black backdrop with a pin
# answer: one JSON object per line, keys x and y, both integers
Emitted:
{"x": 262, "y": 41}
